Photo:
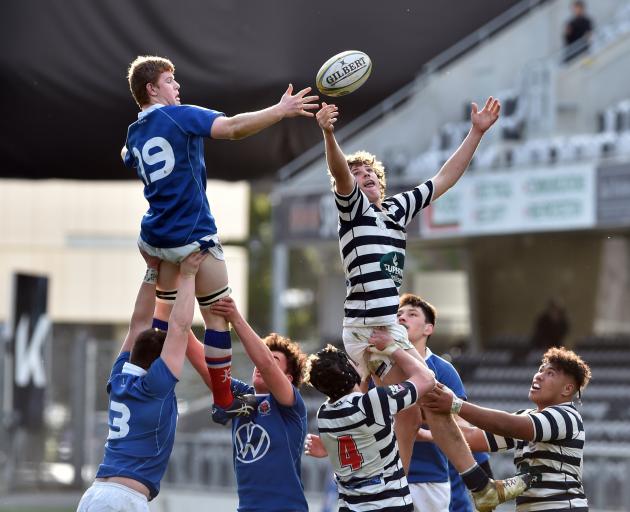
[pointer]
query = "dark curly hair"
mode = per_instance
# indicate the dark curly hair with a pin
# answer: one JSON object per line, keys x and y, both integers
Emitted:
{"x": 296, "y": 359}
{"x": 332, "y": 373}
{"x": 570, "y": 363}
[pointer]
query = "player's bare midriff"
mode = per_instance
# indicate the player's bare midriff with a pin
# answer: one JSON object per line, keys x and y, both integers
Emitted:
{"x": 127, "y": 482}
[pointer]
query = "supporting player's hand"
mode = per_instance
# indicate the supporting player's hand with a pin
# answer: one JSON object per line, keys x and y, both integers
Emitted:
{"x": 314, "y": 447}
{"x": 152, "y": 261}
{"x": 439, "y": 399}
{"x": 327, "y": 117}
{"x": 298, "y": 104}
{"x": 190, "y": 265}
{"x": 225, "y": 307}
{"x": 381, "y": 341}
{"x": 424, "y": 435}
{"x": 484, "y": 119}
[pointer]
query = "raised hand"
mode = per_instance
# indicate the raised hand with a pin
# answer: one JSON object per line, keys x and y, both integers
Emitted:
{"x": 190, "y": 265}
{"x": 381, "y": 338}
{"x": 314, "y": 447}
{"x": 225, "y": 307}
{"x": 298, "y": 104}
{"x": 484, "y": 119}
{"x": 327, "y": 117}
{"x": 152, "y": 261}
{"x": 439, "y": 399}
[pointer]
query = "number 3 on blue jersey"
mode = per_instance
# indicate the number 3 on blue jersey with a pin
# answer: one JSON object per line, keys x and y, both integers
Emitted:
{"x": 155, "y": 151}
{"x": 121, "y": 422}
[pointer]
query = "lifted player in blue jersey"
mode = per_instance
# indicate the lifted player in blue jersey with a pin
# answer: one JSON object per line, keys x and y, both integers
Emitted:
{"x": 166, "y": 147}
{"x": 142, "y": 403}
{"x": 267, "y": 446}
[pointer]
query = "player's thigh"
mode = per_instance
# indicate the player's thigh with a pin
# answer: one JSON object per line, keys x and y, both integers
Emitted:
{"x": 430, "y": 496}
{"x": 168, "y": 276}
{"x": 211, "y": 277}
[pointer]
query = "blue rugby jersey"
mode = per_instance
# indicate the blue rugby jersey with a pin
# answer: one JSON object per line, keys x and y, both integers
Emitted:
{"x": 165, "y": 146}
{"x": 267, "y": 451}
{"x": 142, "y": 421}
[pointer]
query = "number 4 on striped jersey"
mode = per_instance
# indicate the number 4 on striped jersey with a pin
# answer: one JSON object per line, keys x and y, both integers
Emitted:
{"x": 349, "y": 455}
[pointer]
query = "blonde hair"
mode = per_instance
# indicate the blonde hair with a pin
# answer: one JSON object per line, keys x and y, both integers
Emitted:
{"x": 368, "y": 159}
{"x": 146, "y": 69}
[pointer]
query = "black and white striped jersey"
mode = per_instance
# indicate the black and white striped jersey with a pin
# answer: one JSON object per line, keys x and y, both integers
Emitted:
{"x": 372, "y": 244}
{"x": 556, "y": 452}
{"x": 357, "y": 431}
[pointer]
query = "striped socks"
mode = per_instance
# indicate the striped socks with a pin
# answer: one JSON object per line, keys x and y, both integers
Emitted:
{"x": 218, "y": 349}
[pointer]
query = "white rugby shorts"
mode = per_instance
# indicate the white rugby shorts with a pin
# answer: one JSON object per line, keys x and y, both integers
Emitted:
{"x": 177, "y": 254}
{"x": 430, "y": 496}
{"x": 112, "y": 497}
{"x": 356, "y": 341}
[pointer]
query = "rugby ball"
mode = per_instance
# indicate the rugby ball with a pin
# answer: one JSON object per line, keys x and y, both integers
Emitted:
{"x": 343, "y": 73}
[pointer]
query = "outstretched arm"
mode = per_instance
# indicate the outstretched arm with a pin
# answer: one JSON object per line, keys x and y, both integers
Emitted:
{"x": 455, "y": 166}
{"x": 181, "y": 318}
{"x": 197, "y": 357}
{"x": 336, "y": 160}
{"x": 423, "y": 378}
{"x": 278, "y": 383}
{"x": 142, "y": 316}
{"x": 442, "y": 400}
{"x": 475, "y": 437}
{"x": 244, "y": 125}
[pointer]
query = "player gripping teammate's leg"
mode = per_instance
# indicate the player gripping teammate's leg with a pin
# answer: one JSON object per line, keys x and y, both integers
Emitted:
{"x": 486, "y": 492}
{"x": 211, "y": 285}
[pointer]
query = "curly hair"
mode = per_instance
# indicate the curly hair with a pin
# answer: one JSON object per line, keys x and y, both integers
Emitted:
{"x": 570, "y": 363}
{"x": 365, "y": 158}
{"x": 296, "y": 359}
{"x": 145, "y": 70}
{"x": 330, "y": 372}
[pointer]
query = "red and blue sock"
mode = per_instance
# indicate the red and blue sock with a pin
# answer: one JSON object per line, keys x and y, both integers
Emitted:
{"x": 218, "y": 350}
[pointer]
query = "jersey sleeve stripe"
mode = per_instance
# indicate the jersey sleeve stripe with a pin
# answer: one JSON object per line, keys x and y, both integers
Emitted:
{"x": 538, "y": 428}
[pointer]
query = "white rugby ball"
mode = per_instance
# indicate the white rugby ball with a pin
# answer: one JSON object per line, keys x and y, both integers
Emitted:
{"x": 343, "y": 73}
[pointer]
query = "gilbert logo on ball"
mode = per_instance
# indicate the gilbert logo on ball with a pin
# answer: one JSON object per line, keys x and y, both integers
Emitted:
{"x": 343, "y": 73}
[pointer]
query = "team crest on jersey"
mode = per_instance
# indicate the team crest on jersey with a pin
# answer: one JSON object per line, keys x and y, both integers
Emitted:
{"x": 396, "y": 390}
{"x": 264, "y": 408}
{"x": 392, "y": 264}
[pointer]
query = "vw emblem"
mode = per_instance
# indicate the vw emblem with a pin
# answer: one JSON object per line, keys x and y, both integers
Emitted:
{"x": 251, "y": 443}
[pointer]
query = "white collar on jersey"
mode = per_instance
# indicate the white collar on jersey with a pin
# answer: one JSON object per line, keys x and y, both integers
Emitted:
{"x": 134, "y": 370}
{"x": 427, "y": 352}
{"x": 146, "y": 112}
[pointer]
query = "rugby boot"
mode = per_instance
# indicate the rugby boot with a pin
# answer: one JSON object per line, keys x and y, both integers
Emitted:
{"x": 242, "y": 405}
{"x": 498, "y": 491}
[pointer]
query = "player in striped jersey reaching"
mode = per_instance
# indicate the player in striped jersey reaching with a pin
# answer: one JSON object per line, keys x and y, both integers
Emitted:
{"x": 548, "y": 440}
{"x": 357, "y": 429}
{"x": 372, "y": 240}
